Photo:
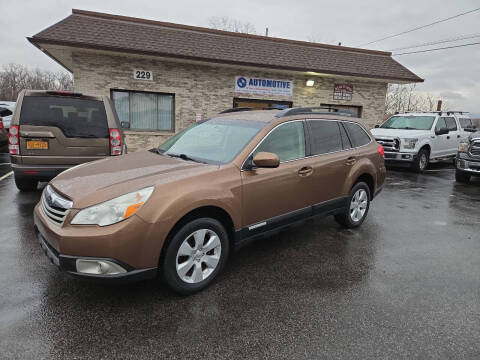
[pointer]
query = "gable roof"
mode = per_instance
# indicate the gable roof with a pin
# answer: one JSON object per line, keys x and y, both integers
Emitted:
{"x": 86, "y": 29}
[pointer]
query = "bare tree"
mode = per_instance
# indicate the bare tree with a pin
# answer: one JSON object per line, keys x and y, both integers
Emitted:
{"x": 401, "y": 98}
{"x": 229, "y": 24}
{"x": 16, "y": 77}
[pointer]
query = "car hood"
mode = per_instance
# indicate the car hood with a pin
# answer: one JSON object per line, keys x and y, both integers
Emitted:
{"x": 400, "y": 133}
{"x": 101, "y": 180}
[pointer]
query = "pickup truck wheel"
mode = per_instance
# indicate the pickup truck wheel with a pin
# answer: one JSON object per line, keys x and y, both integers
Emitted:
{"x": 462, "y": 176}
{"x": 196, "y": 254}
{"x": 358, "y": 206}
{"x": 25, "y": 184}
{"x": 421, "y": 162}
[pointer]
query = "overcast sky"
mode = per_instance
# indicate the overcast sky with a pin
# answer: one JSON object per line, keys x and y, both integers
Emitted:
{"x": 454, "y": 73}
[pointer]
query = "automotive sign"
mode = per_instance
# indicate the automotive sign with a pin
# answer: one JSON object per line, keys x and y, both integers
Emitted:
{"x": 262, "y": 86}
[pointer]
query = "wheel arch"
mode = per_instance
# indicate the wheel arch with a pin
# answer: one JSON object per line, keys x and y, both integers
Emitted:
{"x": 210, "y": 211}
{"x": 369, "y": 180}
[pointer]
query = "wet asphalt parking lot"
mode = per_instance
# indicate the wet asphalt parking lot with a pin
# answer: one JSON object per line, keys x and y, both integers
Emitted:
{"x": 404, "y": 285}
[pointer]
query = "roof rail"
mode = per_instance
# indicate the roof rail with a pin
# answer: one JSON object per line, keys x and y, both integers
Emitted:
{"x": 430, "y": 112}
{"x": 315, "y": 110}
{"x": 237, "y": 109}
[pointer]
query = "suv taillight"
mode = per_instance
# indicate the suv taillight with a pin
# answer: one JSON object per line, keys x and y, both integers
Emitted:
{"x": 115, "y": 142}
{"x": 1, "y": 123}
{"x": 13, "y": 140}
{"x": 381, "y": 151}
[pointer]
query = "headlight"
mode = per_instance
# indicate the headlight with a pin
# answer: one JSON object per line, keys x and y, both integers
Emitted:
{"x": 409, "y": 143}
{"x": 463, "y": 147}
{"x": 113, "y": 211}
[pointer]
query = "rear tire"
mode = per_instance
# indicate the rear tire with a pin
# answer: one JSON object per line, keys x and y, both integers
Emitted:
{"x": 422, "y": 160}
{"x": 462, "y": 176}
{"x": 26, "y": 184}
{"x": 358, "y": 206}
{"x": 196, "y": 254}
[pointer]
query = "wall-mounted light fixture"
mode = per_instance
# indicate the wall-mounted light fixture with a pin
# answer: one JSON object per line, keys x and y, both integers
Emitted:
{"x": 310, "y": 82}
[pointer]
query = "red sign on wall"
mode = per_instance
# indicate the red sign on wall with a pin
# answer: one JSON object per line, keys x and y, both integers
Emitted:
{"x": 342, "y": 92}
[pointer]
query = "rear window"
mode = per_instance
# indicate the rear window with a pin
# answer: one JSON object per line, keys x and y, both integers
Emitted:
{"x": 75, "y": 117}
{"x": 357, "y": 135}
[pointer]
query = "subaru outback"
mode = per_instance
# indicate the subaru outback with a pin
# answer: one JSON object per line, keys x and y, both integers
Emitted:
{"x": 52, "y": 131}
{"x": 180, "y": 209}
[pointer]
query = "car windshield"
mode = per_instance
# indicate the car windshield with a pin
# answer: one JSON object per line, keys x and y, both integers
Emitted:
{"x": 215, "y": 141}
{"x": 409, "y": 122}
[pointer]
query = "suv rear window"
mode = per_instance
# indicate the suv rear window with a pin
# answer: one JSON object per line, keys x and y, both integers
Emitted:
{"x": 83, "y": 118}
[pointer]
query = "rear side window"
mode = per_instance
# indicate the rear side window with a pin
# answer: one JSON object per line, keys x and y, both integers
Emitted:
{"x": 451, "y": 123}
{"x": 465, "y": 123}
{"x": 357, "y": 134}
{"x": 326, "y": 136}
{"x": 75, "y": 117}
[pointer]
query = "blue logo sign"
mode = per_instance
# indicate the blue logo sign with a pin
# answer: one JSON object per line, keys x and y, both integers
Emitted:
{"x": 241, "y": 82}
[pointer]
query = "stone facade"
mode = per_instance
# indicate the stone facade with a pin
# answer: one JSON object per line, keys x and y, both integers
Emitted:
{"x": 207, "y": 89}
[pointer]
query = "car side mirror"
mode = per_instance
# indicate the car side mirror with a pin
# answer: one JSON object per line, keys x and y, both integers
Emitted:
{"x": 441, "y": 131}
{"x": 266, "y": 160}
{"x": 377, "y": 126}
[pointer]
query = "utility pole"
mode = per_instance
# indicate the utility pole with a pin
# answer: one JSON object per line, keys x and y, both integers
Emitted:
{"x": 439, "y": 105}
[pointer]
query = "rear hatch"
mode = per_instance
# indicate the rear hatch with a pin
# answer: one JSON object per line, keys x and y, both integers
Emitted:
{"x": 62, "y": 129}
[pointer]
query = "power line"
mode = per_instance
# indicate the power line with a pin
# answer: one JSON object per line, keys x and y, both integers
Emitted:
{"x": 458, "y": 38}
{"x": 436, "y": 49}
{"x": 421, "y": 27}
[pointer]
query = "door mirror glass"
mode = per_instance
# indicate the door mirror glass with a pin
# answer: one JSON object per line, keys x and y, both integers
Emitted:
{"x": 266, "y": 160}
{"x": 441, "y": 131}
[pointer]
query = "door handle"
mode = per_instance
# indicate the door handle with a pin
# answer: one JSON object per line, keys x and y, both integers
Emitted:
{"x": 458, "y": 136}
{"x": 351, "y": 160}
{"x": 448, "y": 137}
{"x": 305, "y": 171}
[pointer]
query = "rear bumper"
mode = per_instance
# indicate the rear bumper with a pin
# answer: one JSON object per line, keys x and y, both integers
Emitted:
{"x": 67, "y": 264}
{"x": 38, "y": 172}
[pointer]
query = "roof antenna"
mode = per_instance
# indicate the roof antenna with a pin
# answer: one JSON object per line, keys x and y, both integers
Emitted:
{"x": 266, "y": 31}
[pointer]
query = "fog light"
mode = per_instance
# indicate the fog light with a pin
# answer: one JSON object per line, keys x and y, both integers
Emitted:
{"x": 407, "y": 156}
{"x": 462, "y": 164}
{"x": 98, "y": 267}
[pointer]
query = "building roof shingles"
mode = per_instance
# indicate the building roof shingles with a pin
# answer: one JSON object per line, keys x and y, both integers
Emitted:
{"x": 86, "y": 29}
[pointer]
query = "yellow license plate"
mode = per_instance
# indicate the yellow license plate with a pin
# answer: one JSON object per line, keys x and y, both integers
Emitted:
{"x": 37, "y": 145}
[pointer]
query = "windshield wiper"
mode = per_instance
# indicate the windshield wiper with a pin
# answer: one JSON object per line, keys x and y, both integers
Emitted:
{"x": 185, "y": 157}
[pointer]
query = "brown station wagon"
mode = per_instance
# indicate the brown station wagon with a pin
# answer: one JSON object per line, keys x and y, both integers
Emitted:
{"x": 180, "y": 209}
{"x": 52, "y": 131}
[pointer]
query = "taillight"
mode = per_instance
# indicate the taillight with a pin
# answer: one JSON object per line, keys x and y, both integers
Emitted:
{"x": 381, "y": 151}
{"x": 1, "y": 124}
{"x": 13, "y": 140}
{"x": 115, "y": 142}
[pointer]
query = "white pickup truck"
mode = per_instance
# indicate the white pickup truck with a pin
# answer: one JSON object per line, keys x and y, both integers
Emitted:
{"x": 418, "y": 138}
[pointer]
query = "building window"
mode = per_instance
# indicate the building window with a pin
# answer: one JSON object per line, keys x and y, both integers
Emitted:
{"x": 144, "y": 110}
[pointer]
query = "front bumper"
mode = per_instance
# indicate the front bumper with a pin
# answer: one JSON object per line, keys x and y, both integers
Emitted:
{"x": 467, "y": 164}
{"x": 400, "y": 157}
{"x": 68, "y": 264}
{"x": 127, "y": 244}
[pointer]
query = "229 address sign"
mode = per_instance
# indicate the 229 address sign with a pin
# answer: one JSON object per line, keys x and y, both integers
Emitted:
{"x": 139, "y": 74}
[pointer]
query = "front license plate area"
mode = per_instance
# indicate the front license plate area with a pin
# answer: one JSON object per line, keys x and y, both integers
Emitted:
{"x": 37, "y": 145}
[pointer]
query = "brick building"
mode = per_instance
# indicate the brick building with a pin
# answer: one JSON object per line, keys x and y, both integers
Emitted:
{"x": 163, "y": 77}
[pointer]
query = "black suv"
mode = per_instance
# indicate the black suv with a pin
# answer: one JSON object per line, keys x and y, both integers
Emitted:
{"x": 468, "y": 158}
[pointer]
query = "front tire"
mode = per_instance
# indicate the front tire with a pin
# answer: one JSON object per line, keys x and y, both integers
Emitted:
{"x": 196, "y": 254}
{"x": 359, "y": 204}
{"x": 25, "y": 184}
{"x": 422, "y": 160}
{"x": 462, "y": 176}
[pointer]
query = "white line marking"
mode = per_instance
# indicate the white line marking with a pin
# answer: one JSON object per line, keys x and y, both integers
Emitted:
{"x": 6, "y": 175}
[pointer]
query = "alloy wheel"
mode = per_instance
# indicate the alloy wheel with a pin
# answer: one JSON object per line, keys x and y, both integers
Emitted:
{"x": 198, "y": 256}
{"x": 358, "y": 205}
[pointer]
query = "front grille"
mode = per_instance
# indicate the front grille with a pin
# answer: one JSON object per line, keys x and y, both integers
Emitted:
{"x": 389, "y": 144}
{"x": 475, "y": 148}
{"x": 54, "y": 206}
